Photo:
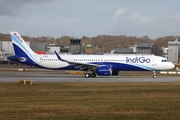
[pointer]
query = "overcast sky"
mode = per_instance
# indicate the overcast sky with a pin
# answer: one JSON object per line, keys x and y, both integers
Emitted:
{"x": 78, "y": 18}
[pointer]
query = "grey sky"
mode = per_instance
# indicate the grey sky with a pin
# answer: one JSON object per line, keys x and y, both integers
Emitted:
{"x": 56, "y": 18}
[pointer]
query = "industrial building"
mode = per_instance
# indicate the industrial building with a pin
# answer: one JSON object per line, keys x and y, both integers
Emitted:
{"x": 145, "y": 48}
{"x": 174, "y": 50}
{"x": 165, "y": 52}
{"x": 6, "y": 47}
{"x": 74, "y": 47}
{"x": 50, "y": 48}
{"x": 36, "y": 46}
{"x": 123, "y": 51}
{"x": 141, "y": 48}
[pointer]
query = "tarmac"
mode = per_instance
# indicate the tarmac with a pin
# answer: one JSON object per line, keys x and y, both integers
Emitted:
{"x": 41, "y": 75}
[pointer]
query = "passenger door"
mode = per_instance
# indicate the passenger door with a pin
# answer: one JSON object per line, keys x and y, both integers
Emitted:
{"x": 154, "y": 61}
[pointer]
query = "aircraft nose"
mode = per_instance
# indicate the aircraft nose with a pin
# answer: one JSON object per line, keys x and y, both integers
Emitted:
{"x": 171, "y": 66}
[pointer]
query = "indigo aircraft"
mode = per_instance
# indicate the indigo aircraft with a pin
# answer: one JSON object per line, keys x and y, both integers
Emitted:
{"x": 92, "y": 65}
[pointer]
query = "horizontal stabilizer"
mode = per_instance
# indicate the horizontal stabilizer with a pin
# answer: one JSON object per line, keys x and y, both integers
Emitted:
{"x": 15, "y": 58}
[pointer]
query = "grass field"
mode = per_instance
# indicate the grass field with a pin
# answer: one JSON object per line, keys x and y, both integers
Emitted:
{"x": 105, "y": 101}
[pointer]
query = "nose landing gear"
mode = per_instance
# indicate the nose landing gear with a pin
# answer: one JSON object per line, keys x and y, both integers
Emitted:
{"x": 154, "y": 75}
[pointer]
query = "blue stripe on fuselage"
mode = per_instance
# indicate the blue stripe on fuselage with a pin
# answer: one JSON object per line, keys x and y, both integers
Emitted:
{"x": 115, "y": 66}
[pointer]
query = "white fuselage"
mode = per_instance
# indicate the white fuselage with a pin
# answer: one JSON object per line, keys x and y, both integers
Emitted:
{"x": 119, "y": 62}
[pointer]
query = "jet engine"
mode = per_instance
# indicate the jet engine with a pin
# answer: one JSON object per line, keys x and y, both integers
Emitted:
{"x": 104, "y": 71}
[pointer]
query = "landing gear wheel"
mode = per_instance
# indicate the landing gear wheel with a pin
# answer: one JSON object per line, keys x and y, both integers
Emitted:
{"x": 154, "y": 76}
{"x": 93, "y": 75}
{"x": 87, "y": 75}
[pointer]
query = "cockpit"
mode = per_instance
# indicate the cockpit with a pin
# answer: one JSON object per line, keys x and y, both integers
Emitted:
{"x": 164, "y": 60}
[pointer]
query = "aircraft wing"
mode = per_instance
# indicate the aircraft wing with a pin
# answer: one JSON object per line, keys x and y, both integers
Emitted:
{"x": 82, "y": 66}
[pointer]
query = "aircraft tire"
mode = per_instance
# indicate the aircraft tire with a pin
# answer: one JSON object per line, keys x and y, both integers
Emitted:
{"x": 154, "y": 76}
{"x": 93, "y": 75}
{"x": 87, "y": 75}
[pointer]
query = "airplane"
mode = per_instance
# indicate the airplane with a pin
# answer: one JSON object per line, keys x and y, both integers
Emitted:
{"x": 92, "y": 65}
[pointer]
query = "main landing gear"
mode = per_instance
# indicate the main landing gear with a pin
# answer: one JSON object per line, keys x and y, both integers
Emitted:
{"x": 87, "y": 75}
{"x": 154, "y": 75}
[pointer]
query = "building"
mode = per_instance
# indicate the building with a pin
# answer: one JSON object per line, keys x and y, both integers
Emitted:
{"x": 144, "y": 48}
{"x": 123, "y": 51}
{"x": 6, "y": 47}
{"x": 2, "y": 56}
{"x": 174, "y": 50}
{"x": 165, "y": 52}
{"x": 141, "y": 48}
{"x": 58, "y": 48}
{"x": 37, "y": 46}
{"x": 74, "y": 47}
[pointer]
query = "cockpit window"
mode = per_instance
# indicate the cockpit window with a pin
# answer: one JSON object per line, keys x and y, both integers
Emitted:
{"x": 164, "y": 60}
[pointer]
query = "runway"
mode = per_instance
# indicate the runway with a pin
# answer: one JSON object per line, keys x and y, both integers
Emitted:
{"x": 15, "y": 76}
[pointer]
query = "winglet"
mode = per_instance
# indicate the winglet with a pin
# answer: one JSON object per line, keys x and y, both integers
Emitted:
{"x": 59, "y": 58}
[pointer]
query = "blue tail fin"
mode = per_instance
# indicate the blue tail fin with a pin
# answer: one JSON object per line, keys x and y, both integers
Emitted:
{"x": 23, "y": 53}
{"x": 21, "y": 49}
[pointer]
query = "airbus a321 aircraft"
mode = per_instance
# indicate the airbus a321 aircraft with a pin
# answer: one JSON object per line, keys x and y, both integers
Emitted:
{"x": 92, "y": 65}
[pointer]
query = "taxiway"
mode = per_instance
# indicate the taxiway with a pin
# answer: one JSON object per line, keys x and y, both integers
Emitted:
{"x": 42, "y": 76}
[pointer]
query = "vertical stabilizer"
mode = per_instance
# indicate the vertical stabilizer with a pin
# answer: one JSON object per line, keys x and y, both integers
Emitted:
{"x": 20, "y": 46}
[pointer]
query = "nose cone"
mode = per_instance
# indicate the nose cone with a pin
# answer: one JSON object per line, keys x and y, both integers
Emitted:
{"x": 171, "y": 66}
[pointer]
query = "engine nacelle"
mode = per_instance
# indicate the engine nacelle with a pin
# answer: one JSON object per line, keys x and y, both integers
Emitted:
{"x": 104, "y": 70}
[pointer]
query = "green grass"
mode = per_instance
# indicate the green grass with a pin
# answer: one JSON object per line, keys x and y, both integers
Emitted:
{"x": 105, "y": 101}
